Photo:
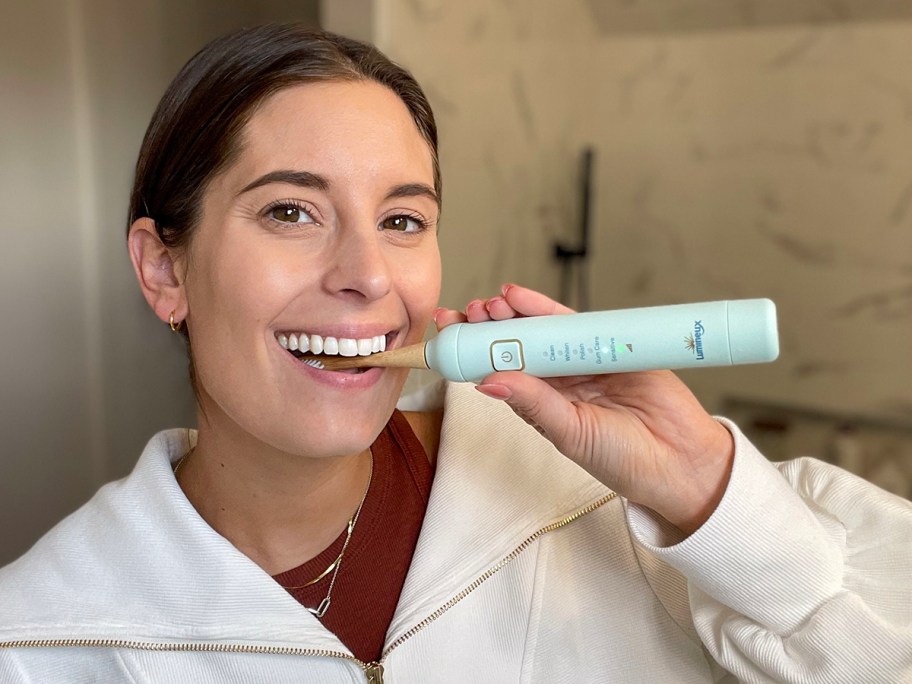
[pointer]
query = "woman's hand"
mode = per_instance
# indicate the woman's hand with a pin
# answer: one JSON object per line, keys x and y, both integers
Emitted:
{"x": 644, "y": 435}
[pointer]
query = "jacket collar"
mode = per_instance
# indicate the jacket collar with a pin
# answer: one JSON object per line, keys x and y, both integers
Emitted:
{"x": 139, "y": 563}
{"x": 497, "y": 483}
{"x": 140, "y": 555}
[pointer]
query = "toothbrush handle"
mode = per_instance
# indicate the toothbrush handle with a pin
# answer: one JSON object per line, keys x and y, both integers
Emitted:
{"x": 652, "y": 338}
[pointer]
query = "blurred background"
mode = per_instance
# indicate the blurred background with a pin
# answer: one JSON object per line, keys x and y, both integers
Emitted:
{"x": 739, "y": 148}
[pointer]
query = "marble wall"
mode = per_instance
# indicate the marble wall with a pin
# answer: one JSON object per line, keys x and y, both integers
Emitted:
{"x": 744, "y": 162}
{"x": 627, "y": 16}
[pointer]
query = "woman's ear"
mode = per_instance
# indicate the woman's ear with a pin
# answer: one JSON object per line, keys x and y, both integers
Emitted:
{"x": 160, "y": 276}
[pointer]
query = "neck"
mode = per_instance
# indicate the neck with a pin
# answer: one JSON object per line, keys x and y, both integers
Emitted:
{"x": 277, "y": 508}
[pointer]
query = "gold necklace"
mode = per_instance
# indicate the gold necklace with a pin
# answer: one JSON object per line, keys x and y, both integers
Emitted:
{"x": 181, "y": 462}
{"x": 333, "y": 567}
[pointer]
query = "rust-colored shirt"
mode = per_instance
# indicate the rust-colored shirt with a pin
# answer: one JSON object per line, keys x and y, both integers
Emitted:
{"x": 375, "y": 564}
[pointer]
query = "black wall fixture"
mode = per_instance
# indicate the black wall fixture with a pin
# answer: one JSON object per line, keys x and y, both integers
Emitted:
{"x": 573, "y": 257}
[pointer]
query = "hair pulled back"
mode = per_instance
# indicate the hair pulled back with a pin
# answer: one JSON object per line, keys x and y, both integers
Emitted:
{"x": 196, "y": 130}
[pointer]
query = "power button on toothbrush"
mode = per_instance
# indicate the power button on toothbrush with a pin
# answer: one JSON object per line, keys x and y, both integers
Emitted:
{"x": 507, "y": 355}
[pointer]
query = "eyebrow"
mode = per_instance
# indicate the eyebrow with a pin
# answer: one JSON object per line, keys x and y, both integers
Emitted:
{"x": 414, "y": 190}
{"x": 306, "y": 179}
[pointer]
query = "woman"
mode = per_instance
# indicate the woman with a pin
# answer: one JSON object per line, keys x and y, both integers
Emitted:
{"x": 287, "y": 196}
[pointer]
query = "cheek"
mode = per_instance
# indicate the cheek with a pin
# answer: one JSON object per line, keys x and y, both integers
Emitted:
{"x": 421, "y": 274}
{"x": 244, "y": 284}
{"x": 420, "y": 285}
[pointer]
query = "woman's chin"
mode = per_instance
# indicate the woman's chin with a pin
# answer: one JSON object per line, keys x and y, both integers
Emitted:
{"x": 331, "y": 433}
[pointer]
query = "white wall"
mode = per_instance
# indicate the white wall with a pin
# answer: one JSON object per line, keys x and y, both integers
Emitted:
{"x": 88, "y": 373}
{"x": 47, "y": 423}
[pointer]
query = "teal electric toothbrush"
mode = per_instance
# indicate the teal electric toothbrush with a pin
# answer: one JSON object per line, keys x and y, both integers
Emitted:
{"x": 678, "y": 336}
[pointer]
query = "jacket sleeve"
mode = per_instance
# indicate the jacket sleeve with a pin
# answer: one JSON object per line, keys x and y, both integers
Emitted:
{"x": 802, "y": 574}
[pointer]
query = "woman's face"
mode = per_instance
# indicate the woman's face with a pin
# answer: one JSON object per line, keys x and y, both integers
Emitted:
{"x": 326, "y": 225}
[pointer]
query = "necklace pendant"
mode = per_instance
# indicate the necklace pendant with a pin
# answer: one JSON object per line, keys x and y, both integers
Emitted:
{"x": 320, "y": 610}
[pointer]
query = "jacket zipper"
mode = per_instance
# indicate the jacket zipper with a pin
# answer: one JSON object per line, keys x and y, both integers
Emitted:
{"x": 493, "y": 570}
{"x": 372, "y": 671}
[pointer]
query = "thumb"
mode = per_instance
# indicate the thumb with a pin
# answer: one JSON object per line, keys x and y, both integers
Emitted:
{"x": 533, "y": 400}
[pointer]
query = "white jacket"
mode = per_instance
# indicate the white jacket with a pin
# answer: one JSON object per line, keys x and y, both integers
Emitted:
{"x": 526, "y": 570}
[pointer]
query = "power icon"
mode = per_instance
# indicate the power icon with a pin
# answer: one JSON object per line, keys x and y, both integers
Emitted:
{"x": 507, "y": 355}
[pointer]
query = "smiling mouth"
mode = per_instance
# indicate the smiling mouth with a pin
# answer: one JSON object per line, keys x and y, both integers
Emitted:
{"x": 301, "y": 343}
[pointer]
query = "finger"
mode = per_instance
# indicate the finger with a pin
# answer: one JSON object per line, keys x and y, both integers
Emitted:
{"x": 535, "y": 401}
{"x": 531, "y": 303}
{"x": 499, "y": 310}
{"x": 476, "y": 311}
{"x": 444, "y": 317}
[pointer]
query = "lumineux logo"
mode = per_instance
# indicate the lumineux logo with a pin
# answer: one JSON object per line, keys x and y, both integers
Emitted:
{"x": 694, "y": 342}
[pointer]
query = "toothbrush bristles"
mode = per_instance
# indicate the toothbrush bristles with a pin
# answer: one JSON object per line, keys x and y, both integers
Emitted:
{"x": 404, "y": 357}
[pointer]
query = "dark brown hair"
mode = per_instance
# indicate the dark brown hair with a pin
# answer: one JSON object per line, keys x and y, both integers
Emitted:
{"x": 195, "y": 132}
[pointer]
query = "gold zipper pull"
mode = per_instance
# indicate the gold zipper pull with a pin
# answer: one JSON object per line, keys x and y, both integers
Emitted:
{"x": 374, "y": 672}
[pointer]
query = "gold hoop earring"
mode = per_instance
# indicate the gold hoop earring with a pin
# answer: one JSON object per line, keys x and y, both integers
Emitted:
{"x": 175, "y": 327}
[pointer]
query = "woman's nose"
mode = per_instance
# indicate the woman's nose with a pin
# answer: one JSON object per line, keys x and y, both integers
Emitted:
{"x": 359, "y": 266}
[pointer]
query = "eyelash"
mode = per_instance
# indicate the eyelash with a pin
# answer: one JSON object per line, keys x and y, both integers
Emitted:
{"x": 288, "y": 204}
{"x": 423, "y": 223}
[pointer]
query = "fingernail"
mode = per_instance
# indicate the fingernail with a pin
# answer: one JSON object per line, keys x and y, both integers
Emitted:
{"x": 501, "y": 392}
{"x": 506, "y": 288}
{"x": 439, "y": 310}
{"x": 493, "y": 300}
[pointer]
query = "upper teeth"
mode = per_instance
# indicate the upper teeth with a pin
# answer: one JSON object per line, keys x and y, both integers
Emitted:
{"x": 343, "y": 346}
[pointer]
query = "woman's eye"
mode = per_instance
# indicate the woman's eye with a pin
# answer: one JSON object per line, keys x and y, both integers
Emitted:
{"x": 289, "y": 213}
{"x": 403, "y": 224}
